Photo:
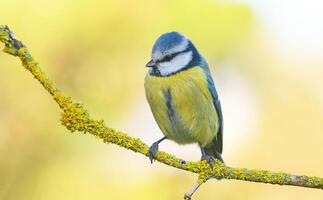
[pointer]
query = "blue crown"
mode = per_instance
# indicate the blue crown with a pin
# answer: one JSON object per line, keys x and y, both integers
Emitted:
{"x": 167, "y": 41}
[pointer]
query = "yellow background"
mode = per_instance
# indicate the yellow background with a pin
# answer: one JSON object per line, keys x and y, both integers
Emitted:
{"x": 96, "y": 51}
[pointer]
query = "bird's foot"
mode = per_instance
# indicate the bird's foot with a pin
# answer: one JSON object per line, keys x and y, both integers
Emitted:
{"x": 152, "y": 151}
{"x": 209, "y": 159}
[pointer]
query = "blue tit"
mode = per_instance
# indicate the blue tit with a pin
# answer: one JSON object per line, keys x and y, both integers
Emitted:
{"x": 182, "y": 96}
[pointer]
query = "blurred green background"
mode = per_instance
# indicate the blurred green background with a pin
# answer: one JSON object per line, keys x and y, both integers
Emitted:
{"x": 266, "y": 59}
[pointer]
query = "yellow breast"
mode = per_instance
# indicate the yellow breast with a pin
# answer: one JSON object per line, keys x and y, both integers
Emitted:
{"x": 183, "y": 106}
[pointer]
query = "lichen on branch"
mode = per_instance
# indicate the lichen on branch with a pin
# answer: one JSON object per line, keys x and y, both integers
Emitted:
{"x": 76, "y": 118}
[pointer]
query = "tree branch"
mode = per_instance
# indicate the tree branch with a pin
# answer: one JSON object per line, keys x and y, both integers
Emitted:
{"x": 76, "y": 118}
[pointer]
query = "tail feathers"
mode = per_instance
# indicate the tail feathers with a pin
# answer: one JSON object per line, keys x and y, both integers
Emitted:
{"x": 211, "y": 150}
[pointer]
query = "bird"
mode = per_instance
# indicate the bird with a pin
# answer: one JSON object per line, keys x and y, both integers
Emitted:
{"x": 182, "y": 97}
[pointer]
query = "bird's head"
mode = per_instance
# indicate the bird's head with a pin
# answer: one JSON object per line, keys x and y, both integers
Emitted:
{"x": 171, "y": 53}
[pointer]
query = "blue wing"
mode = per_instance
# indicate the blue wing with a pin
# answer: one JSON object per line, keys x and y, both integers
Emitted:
{"x": 218, "y": 142}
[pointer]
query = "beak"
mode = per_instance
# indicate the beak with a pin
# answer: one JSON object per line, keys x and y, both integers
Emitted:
{"x": 151, "y": 63}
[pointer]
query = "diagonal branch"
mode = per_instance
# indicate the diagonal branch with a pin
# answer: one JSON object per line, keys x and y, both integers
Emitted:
{"x": 76, "y": 118}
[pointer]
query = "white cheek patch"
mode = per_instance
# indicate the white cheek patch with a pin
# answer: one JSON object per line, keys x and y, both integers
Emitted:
{"x": 176, "y": 64}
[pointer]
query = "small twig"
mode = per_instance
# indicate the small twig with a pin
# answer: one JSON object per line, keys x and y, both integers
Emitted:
{"x": 190, "y": 192}
{"x": 201, "y": 179}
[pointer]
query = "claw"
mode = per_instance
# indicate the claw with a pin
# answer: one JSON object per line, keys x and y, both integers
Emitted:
{"x": 152, "y": 151}
{"x": 209, "y": 159}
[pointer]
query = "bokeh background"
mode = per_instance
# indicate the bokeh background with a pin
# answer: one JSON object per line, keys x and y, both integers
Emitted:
{"x": 267, "y": 62}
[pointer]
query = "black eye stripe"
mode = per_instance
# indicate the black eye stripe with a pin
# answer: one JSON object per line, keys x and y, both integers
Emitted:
{"x": 168, "y": 58}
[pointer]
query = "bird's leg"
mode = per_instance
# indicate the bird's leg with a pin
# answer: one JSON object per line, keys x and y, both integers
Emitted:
{"x": 153, "y": 149}
{"x": 210, "y": 159}
{"x": 188, "y": 194}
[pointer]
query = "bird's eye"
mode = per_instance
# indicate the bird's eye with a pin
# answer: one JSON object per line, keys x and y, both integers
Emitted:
{"x": 167, "y": 58}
